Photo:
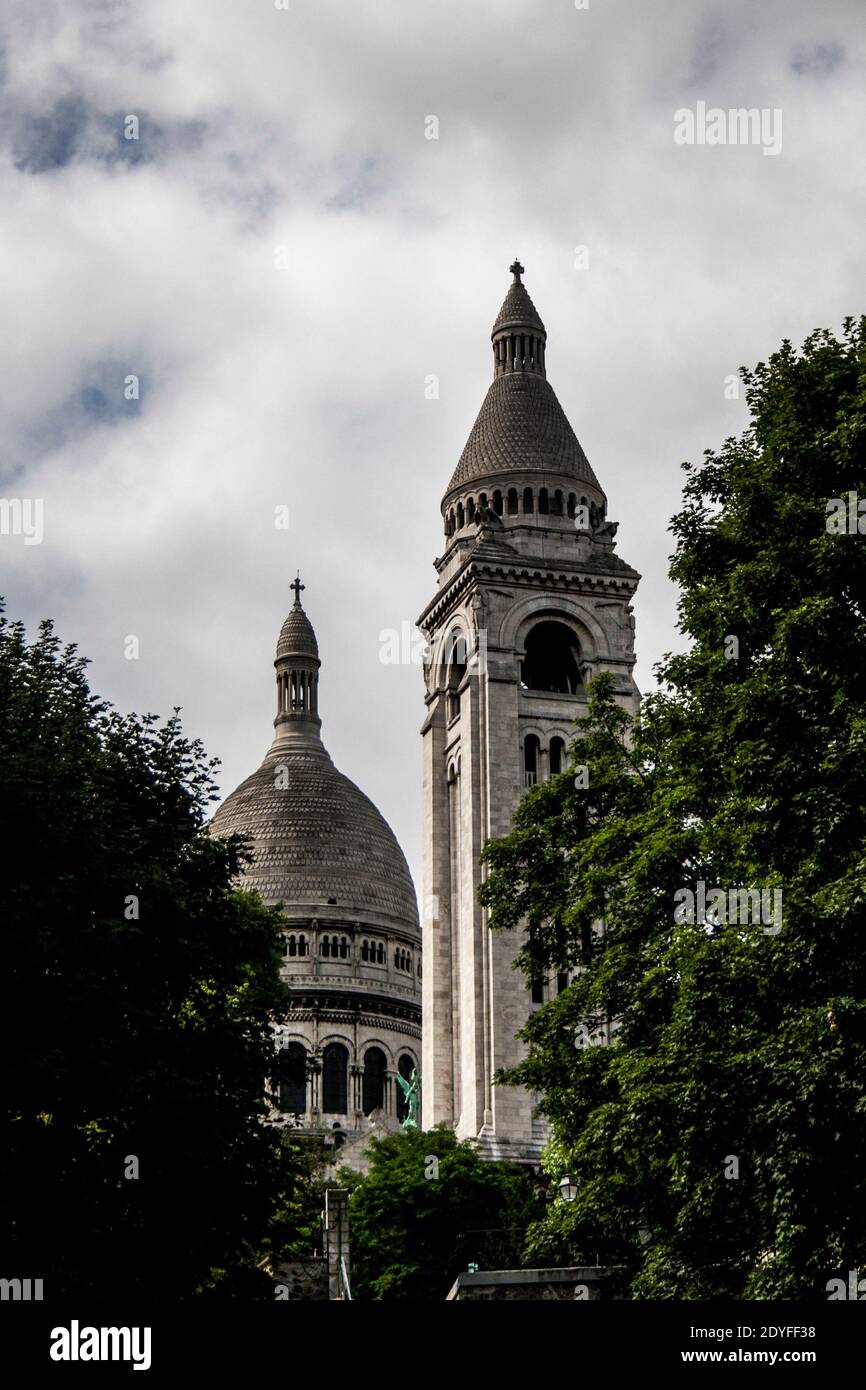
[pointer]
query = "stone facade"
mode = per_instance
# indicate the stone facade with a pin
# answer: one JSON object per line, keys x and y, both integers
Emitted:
{"x": 532, "y": 602}
{"x": 352, "y": 943}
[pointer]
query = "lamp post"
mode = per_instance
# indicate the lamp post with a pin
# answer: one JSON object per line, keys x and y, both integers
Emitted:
{"x": 567, "y": 1189}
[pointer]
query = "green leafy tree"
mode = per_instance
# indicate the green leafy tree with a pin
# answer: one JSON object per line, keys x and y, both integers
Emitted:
{"x": 718, "y": 1141}
{"x": 139, "y": 986}
{"x": 416, "y": 1223}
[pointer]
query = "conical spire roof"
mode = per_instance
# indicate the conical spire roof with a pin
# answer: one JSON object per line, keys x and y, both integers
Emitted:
{"x": 518, "y": 310}
{"x": 521, "y": 427}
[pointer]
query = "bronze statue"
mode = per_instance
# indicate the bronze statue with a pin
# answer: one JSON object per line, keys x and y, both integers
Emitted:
{"x": 412, "y": 1095}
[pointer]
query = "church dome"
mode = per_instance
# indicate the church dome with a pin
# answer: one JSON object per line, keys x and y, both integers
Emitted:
{"x": 318, "y": 840}
{"x": 318, "y": 843}
{"x": 349, "y": 1039}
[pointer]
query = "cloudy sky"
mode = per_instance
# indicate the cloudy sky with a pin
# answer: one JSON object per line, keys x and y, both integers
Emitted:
{"x": 283, "y": 258}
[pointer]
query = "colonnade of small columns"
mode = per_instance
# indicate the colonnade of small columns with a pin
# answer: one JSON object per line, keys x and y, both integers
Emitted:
{"x": 297, "y": 690}
{"x": 518, "y": 352}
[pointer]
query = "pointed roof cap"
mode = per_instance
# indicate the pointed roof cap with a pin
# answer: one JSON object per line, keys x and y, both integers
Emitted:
{"x": 518, "y": 310}
{"x": 521, "y": 427}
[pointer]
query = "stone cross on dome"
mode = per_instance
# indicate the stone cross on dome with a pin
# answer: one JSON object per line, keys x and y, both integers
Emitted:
{"x": 297, "y": 586}
{"x": 516, "y": 270}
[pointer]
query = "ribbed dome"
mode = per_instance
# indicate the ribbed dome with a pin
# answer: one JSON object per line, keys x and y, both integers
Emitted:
{"x": 297, "y": 637}
{"x": 318, "y": 838}
{"x": 521, "y": 428}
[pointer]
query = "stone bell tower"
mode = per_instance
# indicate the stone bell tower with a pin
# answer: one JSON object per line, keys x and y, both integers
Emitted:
{"x": 531, "y": 603}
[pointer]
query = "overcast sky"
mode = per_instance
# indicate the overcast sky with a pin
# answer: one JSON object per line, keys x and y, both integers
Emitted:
{"x": 283, "y": 257}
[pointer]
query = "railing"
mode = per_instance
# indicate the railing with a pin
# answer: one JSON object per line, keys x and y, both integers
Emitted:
{"x": 344, "y": 1280}
{"x": 530, "y": 779}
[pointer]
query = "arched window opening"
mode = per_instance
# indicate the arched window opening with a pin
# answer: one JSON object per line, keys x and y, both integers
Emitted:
{"x": 572, "y": 504}
{"x": 557, "y": 755}
{"x": 551, "y": 659}
{"x": 557, "y": 503}
{"x": 292, "y": 1079}
{"x": 456, "y": 672}
{"x": 482, "y": 501}
{"x": 542, "y": 501}
{"x": 460, "y": 518}
{"x": 373, "y": 1088}
{"x": 497, "y": 502}
{"x": 293, "y": 945}
{"x": 302, "y": 946}
{"x": 512, "y": 501}
{"x": 380, "y": 953}
{"x": 527, "y": 500}
{"x": 344, "y": 948}
{"x": 335, "y": 1084}
{"x": 325, "y": 946}
{"x": 470, "y": 510}
{"x": 405, "y": 1067}
{"x": 530, "y": 760}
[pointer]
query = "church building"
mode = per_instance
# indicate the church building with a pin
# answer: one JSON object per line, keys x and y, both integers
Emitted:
{"x": 531, "y": 603}
{"x": 352, "y": 941}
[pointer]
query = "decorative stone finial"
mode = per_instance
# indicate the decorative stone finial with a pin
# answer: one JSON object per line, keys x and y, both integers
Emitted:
{"x": 516, "y": 270}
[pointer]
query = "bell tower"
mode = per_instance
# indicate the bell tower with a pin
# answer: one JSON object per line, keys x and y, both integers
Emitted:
{"x": 531, "y": 603}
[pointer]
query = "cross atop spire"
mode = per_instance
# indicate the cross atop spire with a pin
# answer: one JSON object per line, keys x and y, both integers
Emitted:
{"x": 516, "y": 270}
{"x": 297, "y": 586}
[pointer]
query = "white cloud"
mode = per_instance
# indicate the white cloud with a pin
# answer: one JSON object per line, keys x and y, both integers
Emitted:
{"x": 304, "y": 386}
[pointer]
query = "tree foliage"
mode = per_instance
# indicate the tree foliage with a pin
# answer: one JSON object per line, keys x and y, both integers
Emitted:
{"x": 747, "y": 768}
{"x": 139, "y": 989}
{"x": 415, "y": 1225}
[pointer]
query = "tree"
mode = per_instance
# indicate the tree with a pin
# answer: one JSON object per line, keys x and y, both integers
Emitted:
{"x": 140, "y": 988}
{"x": 428, "y": 1207}
{"x": 717, "y": 1142}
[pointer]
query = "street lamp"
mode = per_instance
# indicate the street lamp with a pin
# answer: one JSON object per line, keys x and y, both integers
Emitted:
{"x": 567, "y": 1189}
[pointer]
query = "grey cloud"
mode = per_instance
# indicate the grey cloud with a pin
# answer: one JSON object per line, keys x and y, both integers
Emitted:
{"x": 73, "y": 129}
{"x": 819, "y": 60}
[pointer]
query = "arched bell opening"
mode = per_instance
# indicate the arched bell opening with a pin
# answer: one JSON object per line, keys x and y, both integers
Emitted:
{"x": 551, "y": 660}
